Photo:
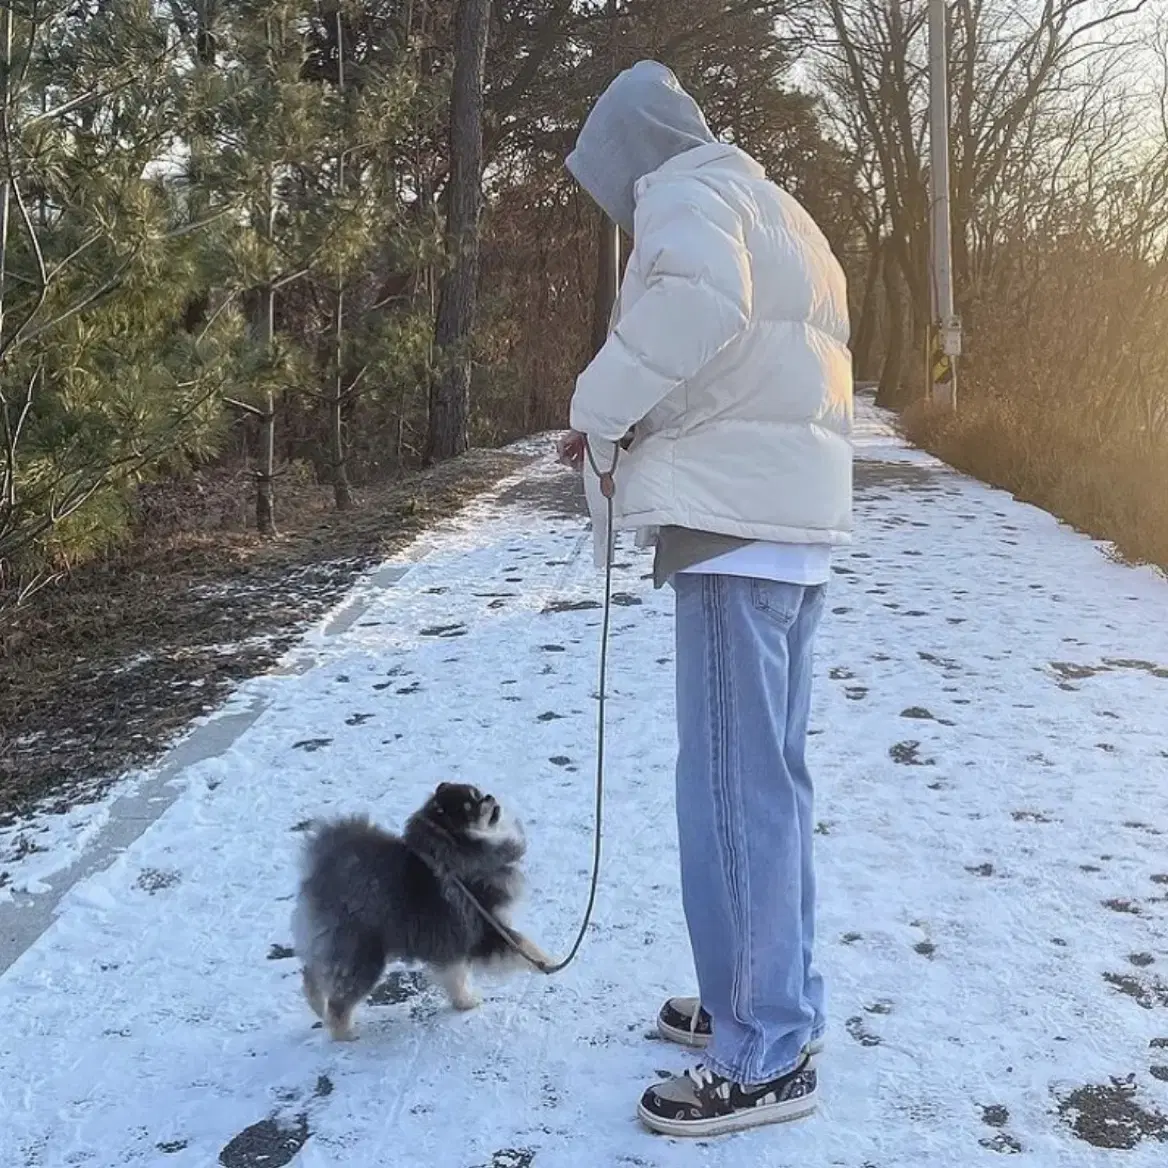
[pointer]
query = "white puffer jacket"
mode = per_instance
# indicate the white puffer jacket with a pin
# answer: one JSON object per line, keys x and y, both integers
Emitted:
{"x": 728, "y": 359}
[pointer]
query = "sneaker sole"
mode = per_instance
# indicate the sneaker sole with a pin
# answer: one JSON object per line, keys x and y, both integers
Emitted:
{"x": 694, "y": 1041}
{"x": 728, "y": 1124}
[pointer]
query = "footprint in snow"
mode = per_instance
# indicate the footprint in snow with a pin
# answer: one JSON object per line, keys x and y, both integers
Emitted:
{"x": 511, "y": 1158}
{"x": 857, "y": 1030}
{"x": 1002, "y": 1142}
{"x": 917, "y": 712}
{"x": 556, "y": 606}
{"x": 271, "y": 1143}
{"x": 1151, "y": 994}
{"x": 312, "y": 745}
{"x": 1030, "y": 817}
{"x": 399, "y": 985}
{"x": 446, "y": 631}
{"x": 152, "y": 880}
{"x": 908, "y": 754}
{"x": 280, "y": 952}
{"x": 1119, "y": 904}
{"x": 357, "y": 719}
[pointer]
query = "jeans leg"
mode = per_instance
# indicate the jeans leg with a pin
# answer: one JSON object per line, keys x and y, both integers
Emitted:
{"x": 800, "y": 647}
{"x": 740, "y": 820}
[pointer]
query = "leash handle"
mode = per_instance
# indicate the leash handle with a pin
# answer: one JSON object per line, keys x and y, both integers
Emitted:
{"x": 608, "y": 490}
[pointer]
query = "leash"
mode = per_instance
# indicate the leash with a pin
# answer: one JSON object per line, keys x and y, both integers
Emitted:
{"x": 608, "y": 490}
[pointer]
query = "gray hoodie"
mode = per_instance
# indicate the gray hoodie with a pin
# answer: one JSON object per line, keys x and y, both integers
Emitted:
{"x": 643, "y": 119}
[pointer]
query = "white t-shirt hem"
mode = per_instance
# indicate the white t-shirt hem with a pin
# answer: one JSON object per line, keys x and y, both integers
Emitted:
{"x": 806, "y": 564}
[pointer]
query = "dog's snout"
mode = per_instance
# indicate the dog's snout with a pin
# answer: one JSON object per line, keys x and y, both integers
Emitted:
{"x": 496, "y": 811}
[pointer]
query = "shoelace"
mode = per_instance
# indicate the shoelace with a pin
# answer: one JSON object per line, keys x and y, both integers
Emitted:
{"x": 694, "y": 1018}
{"x": 701, "y": 1076}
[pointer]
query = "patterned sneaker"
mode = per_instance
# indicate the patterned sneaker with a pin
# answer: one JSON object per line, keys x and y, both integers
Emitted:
{"x": 702, "y": 1103}
{"x": 682, "y": 1020}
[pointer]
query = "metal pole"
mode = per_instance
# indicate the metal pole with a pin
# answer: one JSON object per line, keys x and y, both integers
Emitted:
{"x": 946, "y": 340}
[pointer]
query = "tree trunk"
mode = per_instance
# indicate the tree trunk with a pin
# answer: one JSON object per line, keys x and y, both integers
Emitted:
{"x": 864, "y": 335}
{"x": 265, "y": 503}
{"x": 201, "y": 145}
{"x": 458, "y": 300}
{"x": 890, "y": 392}
{"x": 342, "y": 491}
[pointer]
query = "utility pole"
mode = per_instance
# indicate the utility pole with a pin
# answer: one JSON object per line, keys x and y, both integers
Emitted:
{"x": 945, "y": 339}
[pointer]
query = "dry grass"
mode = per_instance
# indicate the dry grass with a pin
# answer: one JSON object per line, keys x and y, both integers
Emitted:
{"x": 1107, "y": 486}
{"x": 99, "y": 673}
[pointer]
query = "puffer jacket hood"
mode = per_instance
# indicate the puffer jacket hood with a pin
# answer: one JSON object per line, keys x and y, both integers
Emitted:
{"x": 641, "y": 121}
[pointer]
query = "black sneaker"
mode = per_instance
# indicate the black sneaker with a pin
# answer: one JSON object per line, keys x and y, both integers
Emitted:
{"x": 682, "y": 1020}
{"x": 703, "y": 1103}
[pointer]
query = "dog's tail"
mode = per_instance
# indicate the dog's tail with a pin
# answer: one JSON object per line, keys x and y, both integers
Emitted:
{"x": 328, "y": 837}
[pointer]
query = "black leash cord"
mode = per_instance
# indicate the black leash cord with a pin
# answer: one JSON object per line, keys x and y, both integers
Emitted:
{"x": 608, "y": 489}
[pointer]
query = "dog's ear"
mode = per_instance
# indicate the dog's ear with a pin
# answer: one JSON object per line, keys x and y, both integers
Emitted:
{"x": 443, "y": 788}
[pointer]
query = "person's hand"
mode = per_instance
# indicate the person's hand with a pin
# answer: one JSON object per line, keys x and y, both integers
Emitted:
{"x": 570, "y": 449}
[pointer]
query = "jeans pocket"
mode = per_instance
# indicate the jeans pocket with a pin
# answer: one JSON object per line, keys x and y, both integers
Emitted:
{"x": 777, "y": 600}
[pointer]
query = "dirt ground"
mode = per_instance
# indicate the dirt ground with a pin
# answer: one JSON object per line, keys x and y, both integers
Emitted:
{"x": 99, "y": 674}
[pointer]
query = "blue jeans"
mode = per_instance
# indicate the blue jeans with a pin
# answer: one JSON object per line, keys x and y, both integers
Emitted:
{"x": 745, "y": 819}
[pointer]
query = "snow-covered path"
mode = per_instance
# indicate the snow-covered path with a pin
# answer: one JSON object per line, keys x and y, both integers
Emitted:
{"x": 992, "y": 755}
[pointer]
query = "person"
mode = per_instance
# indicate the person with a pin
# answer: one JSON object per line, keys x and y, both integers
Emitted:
{"x": 724, "y": 390}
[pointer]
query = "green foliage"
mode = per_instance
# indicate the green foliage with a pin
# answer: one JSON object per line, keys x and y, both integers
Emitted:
{"x": 99, "y": 385}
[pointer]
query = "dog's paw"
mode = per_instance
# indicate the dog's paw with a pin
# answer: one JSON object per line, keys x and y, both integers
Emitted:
{"x": 467, "y": 1001}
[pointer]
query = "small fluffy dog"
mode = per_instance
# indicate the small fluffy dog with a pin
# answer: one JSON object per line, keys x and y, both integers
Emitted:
{"x": 369, "y": 897}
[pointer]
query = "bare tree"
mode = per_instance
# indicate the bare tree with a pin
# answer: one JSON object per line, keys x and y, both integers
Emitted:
{"x": 1010, "y": 62}
{"x": 448, "y": 432}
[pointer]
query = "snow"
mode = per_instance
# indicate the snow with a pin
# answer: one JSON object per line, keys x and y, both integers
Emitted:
{"x": 991, "y": 757}
{"x": 35, "y": 849}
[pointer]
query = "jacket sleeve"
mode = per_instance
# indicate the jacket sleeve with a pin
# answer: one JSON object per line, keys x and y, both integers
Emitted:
{"x": 690, "y": 249}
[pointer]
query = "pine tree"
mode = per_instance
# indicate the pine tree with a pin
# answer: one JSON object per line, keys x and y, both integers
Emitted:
{"x": 99, "y": 383}
{"x": 271, "y": 128}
